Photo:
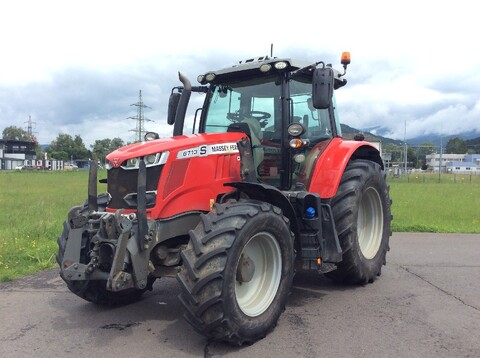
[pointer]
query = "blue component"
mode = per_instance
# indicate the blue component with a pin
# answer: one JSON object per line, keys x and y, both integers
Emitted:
{"x": 310, "y": 213}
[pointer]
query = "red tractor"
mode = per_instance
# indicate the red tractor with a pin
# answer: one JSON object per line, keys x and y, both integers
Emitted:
{"x": 263, "y": 187}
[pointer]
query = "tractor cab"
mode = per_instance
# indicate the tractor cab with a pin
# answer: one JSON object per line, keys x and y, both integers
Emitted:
{"x": 286, "y": 107}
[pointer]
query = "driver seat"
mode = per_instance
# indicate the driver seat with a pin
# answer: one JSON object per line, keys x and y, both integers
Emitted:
{"x": 252, "y": 128}
{"x": 256, "y": 136}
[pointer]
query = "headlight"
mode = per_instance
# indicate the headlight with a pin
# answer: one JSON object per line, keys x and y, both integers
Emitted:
{"x": 150, "y": 161}
{"x": 299, "y": 157}
{"x": 210, "y": 77}
{"x": 151, "y": 136}
{"x": 295, "y": 129}
{"x": 131, "y": 164}
{"x": 265, "y": 67}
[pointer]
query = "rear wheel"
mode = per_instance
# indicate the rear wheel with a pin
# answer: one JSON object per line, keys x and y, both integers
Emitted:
{"x": 237, "y": 271}
{"x": 361, "y": 209}
{"x": 93, "y": 290}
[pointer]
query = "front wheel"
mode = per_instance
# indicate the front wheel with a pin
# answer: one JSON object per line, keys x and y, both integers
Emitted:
{"x": 361, "y": 209}
{"x": 237, "y": 271}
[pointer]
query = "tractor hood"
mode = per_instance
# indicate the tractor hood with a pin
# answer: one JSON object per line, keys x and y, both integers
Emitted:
{"x": 183, "y": 146}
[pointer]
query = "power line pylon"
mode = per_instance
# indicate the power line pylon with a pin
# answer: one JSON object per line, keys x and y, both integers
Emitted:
{"x": 30, "y": 129}
{"x": 140, "y": 128}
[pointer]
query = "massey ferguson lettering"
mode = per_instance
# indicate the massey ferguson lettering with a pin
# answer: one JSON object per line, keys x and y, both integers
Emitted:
{"x": 205, "y": 150}
{"x": 224, "y": 148}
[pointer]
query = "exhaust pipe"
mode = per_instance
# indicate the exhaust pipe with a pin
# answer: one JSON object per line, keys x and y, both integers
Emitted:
{"x": 182, "y": 105}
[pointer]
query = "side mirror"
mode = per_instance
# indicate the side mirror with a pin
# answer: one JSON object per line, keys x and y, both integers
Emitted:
{"x": 322, "y": 87}
{"x": 172, "y": 107}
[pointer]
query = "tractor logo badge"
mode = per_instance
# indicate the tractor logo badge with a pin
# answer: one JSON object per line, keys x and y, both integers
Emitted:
{"x": 116, "y": 162}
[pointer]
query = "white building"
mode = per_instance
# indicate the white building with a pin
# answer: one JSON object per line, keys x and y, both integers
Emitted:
{"x": 15, "y": 152}
{"x": 470, "y": 165}
{"x": 454, "y": 163}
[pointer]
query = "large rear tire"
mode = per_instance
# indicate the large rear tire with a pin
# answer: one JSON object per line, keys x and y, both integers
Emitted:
{"x": 361, "y": 209}
{"x": 237, "y": 271}
{"x": 94, "y": 290}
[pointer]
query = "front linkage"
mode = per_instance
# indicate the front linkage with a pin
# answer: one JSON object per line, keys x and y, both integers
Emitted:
{"x": 96, "y": 249}
{"x": 110, "y": 248}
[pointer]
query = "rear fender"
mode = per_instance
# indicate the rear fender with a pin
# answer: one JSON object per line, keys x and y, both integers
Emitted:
{"x": 331, "y": 163}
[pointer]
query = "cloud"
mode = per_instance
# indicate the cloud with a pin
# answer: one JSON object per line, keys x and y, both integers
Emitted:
{"x": 77, "y": 68}
{"x": 95, "y": 103}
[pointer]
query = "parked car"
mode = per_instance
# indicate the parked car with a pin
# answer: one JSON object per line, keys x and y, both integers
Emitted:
{"x": 25, "y": 167}
{"x": 69, "y": 166}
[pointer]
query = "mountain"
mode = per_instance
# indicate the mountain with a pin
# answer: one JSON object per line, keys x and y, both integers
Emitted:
{"x": 438, "y": 139}
{"x": 472, "y": 139}
{"x": 346, "y": 129}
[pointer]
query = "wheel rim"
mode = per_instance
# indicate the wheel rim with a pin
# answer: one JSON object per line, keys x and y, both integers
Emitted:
{"x": 255, "y": 296}
{"x": 370, "y": 223}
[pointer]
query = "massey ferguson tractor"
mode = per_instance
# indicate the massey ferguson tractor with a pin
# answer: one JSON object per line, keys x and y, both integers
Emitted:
{"x": 264, "y": 186}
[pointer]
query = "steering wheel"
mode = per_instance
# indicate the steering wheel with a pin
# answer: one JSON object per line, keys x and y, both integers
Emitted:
{"x": 258, "y": 115}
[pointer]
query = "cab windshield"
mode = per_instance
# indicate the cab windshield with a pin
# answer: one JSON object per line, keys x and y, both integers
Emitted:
{"x": 258, "y": 104}
{"x": 260, "y": 101}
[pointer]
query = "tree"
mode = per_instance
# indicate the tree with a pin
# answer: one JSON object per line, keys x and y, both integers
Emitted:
{"x": 395, "y": 150}
{"x": 411, "y": 157}
{"x": 102, "y": 147}
{"x": 423, "y": 150}
{"x": 456, "y": 146}
{"x": 473, "y": 145}
{"x": 67, "y": 148}
{"x": 15, "y": 133}
{"x": 116, "y": 143}
{"x": 81, "y": 152}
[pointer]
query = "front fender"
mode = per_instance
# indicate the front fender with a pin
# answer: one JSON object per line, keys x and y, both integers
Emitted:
{"x": 330, "y": 164}
{"x": 269, "y": 194}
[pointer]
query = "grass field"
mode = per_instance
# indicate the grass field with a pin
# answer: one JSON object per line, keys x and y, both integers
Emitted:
{"x": 423, "y": 203}
{"x": 33, "y": 208}
{"x": 35, "y": 204}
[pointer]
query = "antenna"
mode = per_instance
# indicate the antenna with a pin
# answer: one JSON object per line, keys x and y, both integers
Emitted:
{"x": 140, "y": 129}
{"x": 271, "y": 50}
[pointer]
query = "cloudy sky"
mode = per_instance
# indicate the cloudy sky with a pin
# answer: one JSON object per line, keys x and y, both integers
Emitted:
{"x": 77, "y": 66}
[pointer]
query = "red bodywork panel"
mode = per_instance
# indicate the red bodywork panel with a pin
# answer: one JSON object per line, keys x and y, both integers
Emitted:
{"x": 194, "y": 174}
{"x": 199, "y": 165}
{"x": 328, "y": 164}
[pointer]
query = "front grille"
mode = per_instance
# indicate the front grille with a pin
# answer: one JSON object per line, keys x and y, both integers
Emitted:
{"x": 123, "y": 182}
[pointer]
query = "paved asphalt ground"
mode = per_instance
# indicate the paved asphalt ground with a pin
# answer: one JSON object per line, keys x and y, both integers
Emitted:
{"x": 425, "y": 304}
